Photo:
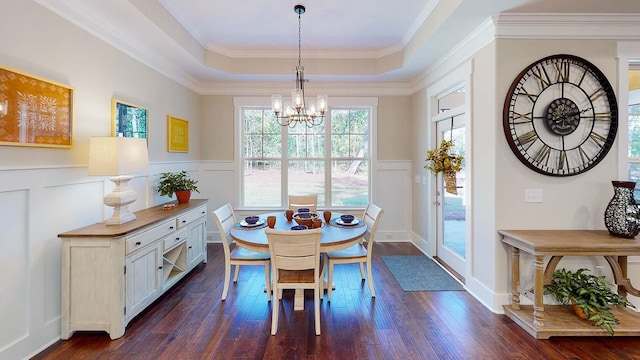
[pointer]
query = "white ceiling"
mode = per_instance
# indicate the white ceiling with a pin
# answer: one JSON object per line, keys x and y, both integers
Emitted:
{"x": 381, "y": 41}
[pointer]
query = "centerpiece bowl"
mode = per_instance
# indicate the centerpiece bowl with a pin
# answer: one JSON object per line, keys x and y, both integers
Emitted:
{"x": 305, "y": 218}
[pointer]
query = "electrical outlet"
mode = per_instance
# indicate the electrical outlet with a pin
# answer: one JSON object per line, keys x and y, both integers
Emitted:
{"x": 533, "y": 195}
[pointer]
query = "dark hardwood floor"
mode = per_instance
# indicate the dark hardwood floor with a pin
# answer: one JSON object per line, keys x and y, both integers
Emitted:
{"x": 191, "y": 322}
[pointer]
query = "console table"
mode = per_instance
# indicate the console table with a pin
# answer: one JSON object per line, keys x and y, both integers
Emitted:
{"x": 110, "y": 273}
{"x": 560, "y": 320}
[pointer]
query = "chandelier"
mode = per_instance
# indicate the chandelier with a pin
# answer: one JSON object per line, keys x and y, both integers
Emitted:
{"x": 298, "y": 112}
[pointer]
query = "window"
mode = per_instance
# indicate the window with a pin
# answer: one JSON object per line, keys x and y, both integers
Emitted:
{"x": 332, "y": 160}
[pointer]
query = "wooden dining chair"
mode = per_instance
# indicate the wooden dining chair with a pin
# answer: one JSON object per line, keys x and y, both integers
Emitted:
{"x": 359, "y": 253}
{"x": 225, "y": 218}
{"x": 303, "y": 201}
{"x": 295, "y": 257}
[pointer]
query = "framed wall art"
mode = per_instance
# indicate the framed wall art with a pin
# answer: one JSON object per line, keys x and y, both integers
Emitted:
{"x": 34, "y": 111}
{"x": 129, "y": 120}
{"x": 177, "y": 134}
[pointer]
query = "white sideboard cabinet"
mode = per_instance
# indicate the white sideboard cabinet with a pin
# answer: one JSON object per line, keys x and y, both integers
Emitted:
{"x": 110, "y": 273}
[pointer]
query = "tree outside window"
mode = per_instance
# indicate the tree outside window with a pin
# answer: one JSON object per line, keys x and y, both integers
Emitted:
{"x": 333, "y": 164}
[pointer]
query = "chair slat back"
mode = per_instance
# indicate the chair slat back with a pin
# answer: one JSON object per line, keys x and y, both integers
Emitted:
{"x": 294, "y": 250}
{"x": 225, "y": 219}
{"x": 303, "y": 201}
{"x": 371, "y": 218}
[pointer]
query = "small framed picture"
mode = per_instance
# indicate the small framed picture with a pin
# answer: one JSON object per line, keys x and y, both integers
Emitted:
{"x": 129, "y": 120}
{"x": 34, "y": 111}
{"x": 177, "y": 134}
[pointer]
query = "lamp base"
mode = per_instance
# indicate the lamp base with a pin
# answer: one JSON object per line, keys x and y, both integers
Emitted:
{"x": 120, "y": 199}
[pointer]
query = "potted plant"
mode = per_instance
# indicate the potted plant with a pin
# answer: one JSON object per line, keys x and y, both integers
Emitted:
{"x": 441, "y": 160}
{"x": 590, "y": 295}
{"x": 179, "y": 183}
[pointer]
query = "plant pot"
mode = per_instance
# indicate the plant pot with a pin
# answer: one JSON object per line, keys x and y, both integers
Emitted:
{"x": 450, "y": 183}
{"x": 579, "y": 312}
{"x": 183, "y": 196}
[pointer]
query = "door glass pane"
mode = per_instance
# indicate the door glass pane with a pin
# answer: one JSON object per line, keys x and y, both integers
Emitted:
{"x": 451, "y": 100}
{"x": 634, "y": 146}
{"x": 454, "y": 204}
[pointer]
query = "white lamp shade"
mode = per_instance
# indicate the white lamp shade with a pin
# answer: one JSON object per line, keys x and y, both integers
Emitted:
{"x": 113, "y": 156}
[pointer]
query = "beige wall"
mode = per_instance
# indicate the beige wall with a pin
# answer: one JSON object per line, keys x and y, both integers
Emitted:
{"x": 219, "y": 142}
{"x": 565, "y": 204}
{"x": 499, "y": 180}
{"x": 394, "y": 128}
{"x": 575, "y": 202}
{"x": 97, "y": 72}
{"x": 47, "y": 191}
{"x": 218, "y": 139}
{"x": 420, "y": 132}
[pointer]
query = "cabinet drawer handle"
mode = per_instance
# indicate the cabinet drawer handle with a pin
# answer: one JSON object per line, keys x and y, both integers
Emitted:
{"x": 177, "y": 238}
{"x": 170, "y": 227}
{"x": 184, "y": 221}
{"x": 138, "y": 243}
{"x": 190, "y": 247}
{"x": 160, "y": 267}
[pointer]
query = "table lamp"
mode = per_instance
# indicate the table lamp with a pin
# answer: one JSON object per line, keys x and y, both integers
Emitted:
{"x": 118, "y": 157}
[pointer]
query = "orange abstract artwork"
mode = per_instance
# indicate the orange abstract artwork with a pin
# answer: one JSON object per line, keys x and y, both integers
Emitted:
{"x": 34, "y": 112}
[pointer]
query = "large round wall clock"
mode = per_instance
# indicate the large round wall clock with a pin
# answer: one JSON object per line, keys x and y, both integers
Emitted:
{"x": 560, "y": 116}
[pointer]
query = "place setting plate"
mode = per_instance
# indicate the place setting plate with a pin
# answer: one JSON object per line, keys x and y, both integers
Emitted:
{"x": 245, "y": 224}
{"x": 352, "y": 223}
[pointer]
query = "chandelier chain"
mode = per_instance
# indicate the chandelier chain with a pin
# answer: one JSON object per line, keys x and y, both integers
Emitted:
{"x": 298, "y": 113}
{"x": 299, "y": 40}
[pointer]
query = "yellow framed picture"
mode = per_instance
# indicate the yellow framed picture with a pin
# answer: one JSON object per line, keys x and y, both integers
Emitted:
{"x": 34, "y": 111}
{"x": 177, "y": 134}
{"x": 129, "y": 120}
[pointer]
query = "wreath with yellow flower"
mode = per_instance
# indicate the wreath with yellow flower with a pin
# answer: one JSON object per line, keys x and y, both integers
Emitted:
{"x": 441, "y": 160}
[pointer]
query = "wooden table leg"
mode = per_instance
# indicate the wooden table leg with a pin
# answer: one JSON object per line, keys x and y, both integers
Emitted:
{"x": 538, "y": 292}
{"x": 619, "y": 269}
{"x": 622, "y": 262}
{"x": 515, "y": 278}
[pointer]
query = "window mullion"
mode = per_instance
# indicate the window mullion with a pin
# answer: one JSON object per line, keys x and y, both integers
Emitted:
{"x": 285, "y": 166}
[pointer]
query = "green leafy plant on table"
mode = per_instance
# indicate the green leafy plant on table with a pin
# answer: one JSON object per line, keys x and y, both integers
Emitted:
{"x": 589, "y": 293}
{"x": 171, "y": 182}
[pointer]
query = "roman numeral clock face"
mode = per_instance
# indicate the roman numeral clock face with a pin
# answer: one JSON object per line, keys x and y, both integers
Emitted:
{"x": 560, "y": 116}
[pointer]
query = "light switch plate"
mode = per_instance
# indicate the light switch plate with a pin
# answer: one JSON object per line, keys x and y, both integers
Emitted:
{"x": 533, "y": 195}
{"x": 417, "y": 179}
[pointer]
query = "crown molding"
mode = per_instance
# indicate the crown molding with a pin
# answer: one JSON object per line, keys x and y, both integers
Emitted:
{"x": 306, "y": 54}
{"x": 568, "y": 26}
{"x": 480, "y": 37}
{"x": 333, "y": 89}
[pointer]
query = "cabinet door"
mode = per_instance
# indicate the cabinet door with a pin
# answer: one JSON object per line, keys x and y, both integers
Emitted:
{"x": 196, "y": 242}
{"x": 143, "y": 279}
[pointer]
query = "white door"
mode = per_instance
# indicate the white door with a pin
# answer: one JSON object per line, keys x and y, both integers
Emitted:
{"x": 451, "y": 205}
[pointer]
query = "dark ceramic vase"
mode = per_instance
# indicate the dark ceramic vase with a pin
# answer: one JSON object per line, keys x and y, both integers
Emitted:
{"x": 622, "y": 216}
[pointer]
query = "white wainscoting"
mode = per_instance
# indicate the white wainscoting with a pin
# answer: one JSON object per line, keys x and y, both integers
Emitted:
{"x": 37, "y": 204}
{"x": 391, "y": 191}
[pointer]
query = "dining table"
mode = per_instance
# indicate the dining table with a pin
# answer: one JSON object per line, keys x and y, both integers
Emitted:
{"x": 336, "y": 235}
